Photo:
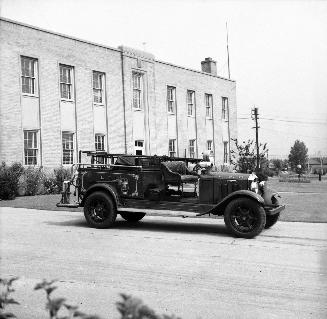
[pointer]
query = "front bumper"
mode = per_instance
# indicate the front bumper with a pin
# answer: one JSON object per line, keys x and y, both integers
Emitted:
{"x": 273, "y": 210}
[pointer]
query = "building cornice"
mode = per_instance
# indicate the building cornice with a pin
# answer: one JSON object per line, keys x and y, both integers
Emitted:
{"x": 121, "y": 49}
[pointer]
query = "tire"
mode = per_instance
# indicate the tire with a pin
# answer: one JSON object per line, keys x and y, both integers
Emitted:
{"x": 99, "y": 210}
{"x": 244, "y": 218}
{"x": 271, "y": 220}
{"x": 132, "y": 217}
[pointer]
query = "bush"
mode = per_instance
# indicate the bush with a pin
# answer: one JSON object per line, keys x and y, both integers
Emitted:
{"x": 9, "y": 177}
{"x": 50, "y": 185}
{"x": 62, "y": 174}
{"x": 129, "y": 307}
{"x": 33, "y": 180}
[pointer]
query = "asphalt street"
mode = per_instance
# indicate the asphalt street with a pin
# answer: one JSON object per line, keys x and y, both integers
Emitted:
{"x": 190, "y": 267}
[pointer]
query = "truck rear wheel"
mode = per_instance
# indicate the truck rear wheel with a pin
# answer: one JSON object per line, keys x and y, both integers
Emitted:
{"x": 244, "y": 218}
{"x": 99, "y": 210}
{"x": 132, "y": 217}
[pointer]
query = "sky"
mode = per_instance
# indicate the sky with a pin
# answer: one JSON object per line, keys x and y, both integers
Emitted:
{"x": 278, "y": 52}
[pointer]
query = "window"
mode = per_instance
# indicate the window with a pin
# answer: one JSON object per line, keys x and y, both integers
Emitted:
{"x": 208, "y": 104}
{"x": 137, "y": 90}
{"x": 171, "y": 99}
{"x": 190, "y": 103}
{"x": 30, "y": 147}
{"x": 67, "y": 147}
{"x": 66, "y": 83}
{"x": 99, "y": 142}
{"x": 172, "y": 149}
{"x": 225, "y": 152}
{"x": 209, "y": 146}
{"x": 29, "y": 75}
{"x": 98, "y": 87}
{"x": 224, "y": 108}
{"x": 192, "y": 148}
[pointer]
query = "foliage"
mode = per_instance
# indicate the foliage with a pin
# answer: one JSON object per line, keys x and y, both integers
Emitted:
{"x": 62, "y": 174}
{"x": 5, "y": 298}
{"x": 9, "y": 177}
{"x": 244, "y": 157}
{"x": 129, "y": 307}
{"x": 280, "y": 164}
{"x": 33, "y": 179}
{"x": 298, "y": 156}
{"x": 58, "y": 305}
{"x": 50, "y": 185}
{"x": 133, "y": 308}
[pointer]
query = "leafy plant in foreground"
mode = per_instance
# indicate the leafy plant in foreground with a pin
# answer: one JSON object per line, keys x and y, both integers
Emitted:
{"x": 5, "y": 299}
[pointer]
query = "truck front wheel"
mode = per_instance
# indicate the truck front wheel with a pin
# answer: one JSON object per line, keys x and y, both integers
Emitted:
{"x": 244, "y": 218}
{"x": 99, "y": 210}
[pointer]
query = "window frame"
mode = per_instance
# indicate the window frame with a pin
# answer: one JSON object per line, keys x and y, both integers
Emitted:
{"x": 34, "y": 148}
{"x": 224, "y": 108}
{"x": 100, "y": 89}
{"x": 70, "y": 84}
{"x": 139, "y": 89}
{"x": 190, "y": 104}
{"x": 33, "y": 78}
{"x": 171, "y": 99}
{"x": 210, "y": 149}
{"x": 191, "y": 148}
{"x": 225, "y": 159}
{"x": 70, "y": 150}
{"x": 101, "y": 142}
{"x": 209, "y": 106}
{"x": 172, "y": 147}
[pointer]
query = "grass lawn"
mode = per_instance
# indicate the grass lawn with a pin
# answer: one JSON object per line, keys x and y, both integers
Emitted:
{"x": 305, "y": 202}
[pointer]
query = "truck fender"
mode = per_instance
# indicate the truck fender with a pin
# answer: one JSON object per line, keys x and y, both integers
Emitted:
{"x": 102, "y": 187}
{"x": 220, "y": 207}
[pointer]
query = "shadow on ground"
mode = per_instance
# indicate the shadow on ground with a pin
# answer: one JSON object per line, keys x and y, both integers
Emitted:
{"x": 210, "y": 228}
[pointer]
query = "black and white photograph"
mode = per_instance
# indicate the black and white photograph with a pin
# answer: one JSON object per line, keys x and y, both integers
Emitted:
{"x": 163, "y": 159}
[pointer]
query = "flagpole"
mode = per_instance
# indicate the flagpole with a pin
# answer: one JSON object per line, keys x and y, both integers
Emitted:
{"x": 227, "y": 51}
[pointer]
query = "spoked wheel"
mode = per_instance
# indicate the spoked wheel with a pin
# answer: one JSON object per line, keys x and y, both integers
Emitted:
{"x": 99, "y": 210}
{"x": 132, "y": 217}
{"x": 244, "y": 217}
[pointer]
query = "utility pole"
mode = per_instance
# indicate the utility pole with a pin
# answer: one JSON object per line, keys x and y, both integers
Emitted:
{"x": 255, "y": 115}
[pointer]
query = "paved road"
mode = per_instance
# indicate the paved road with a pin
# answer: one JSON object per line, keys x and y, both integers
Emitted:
{"x": 189, "y": 267}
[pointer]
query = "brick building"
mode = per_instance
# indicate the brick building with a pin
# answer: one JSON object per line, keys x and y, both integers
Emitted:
{"x": 61, "y": 94}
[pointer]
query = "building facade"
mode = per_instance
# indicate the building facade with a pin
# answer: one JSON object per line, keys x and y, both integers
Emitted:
{"x": 59, "y": 95}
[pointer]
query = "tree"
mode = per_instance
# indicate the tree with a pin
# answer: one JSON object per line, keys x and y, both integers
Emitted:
{"x": 298, "y": 156}
{"x": 244, "y": 156}
{"x": 280, "y": 164}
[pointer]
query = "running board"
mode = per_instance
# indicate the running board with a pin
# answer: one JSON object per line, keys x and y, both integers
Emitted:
{"x": 160, "y": 212}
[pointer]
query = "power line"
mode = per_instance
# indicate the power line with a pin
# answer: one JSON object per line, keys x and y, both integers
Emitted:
{"x": 282, "y": 120}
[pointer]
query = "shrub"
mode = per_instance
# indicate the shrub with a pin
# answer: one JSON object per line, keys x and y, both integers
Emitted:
{"x": 33, "y": 180}
{"x": 9, "y": 177}
{"x": 62, "y": 174}
{"x": 129, "y": 307}
{"x": 50, "y": 185}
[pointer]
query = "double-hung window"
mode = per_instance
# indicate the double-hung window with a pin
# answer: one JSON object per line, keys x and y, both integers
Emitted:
{"x": 99, "y": 142}
{"x": 29, "y": 75}
{"x": 225, "y": 152}
{"x": 172, "y": 148}
{"x": 224, "y": 108}
{"x": 190, "y": 103}
{"x": 66, "y": 82}
{"x": 67, "y": 147}
{"x": 209, "y": 146}
{"x": 171, "y": 99}
{"x": 192, "y": 148}
{"x": 30, "y": 147}
{"x": 137, "y": 90}
{"x": 208, "y": 105}
{"x": 98, "y": 87}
